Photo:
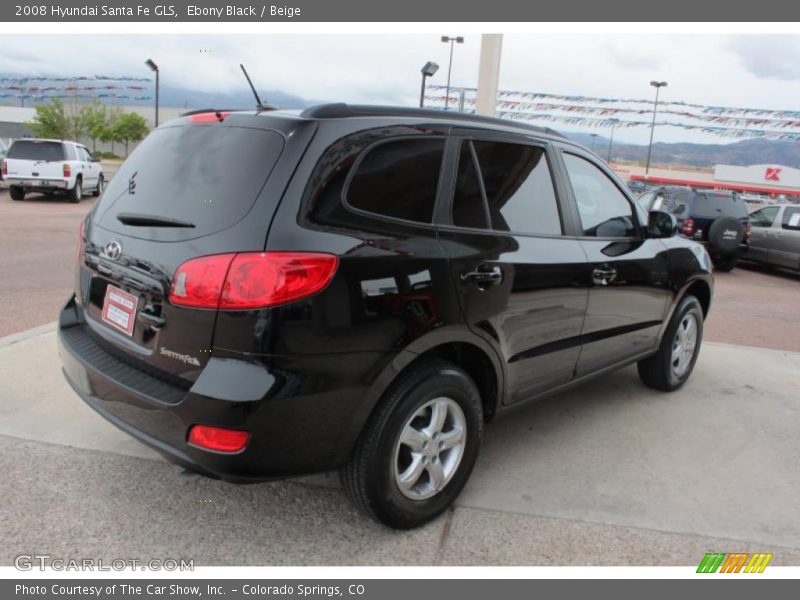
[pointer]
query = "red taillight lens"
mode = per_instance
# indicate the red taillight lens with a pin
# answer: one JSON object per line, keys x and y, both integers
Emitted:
{"x": 67, "y": 171}
{"x": 218, "y": 439}
{"x": 198, "y": 282}
{"x": 270, "y": 278}
{"x": 747, "y": 231}
{"x": 688, "y": 227}
{"x": 251, "y": 279}
{"x": 5, "y": 168}
{"x": 209, "y": 117}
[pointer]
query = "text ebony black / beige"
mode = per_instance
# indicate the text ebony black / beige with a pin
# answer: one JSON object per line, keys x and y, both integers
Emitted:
{"x": 267, "y": 294}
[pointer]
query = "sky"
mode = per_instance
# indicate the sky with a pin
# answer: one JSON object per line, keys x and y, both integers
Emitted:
{"x": 760, "y": 70}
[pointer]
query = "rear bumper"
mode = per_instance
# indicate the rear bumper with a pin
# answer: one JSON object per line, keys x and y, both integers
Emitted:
{"x": 37, "y": 185}
{"x": 302, "y": 418}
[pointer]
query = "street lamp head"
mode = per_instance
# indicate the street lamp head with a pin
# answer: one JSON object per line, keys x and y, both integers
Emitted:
{"x": 458, "y": 40}
{"x": 658, "y": 84}
{"x": 429, "y": 69}
{"x": 151, "y": 65}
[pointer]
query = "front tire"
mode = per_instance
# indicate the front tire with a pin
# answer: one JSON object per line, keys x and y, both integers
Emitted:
{"x": 76, "y": 193}
{"x": 418, "y": 449}
{"x": 670, "y": 367}
{"x": 16, "y": 192}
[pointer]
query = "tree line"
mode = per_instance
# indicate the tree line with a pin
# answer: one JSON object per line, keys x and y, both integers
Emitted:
{"x": 94, "y": 122}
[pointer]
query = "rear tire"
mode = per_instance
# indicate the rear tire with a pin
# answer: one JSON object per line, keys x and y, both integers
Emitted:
{"x": 398, "y": 473}
{"x": 76, "y": 193}
{"x": 670, "y": 367}
{"x": 99, "y": 189}
{"x": 725, "y": 263}
{"x": 17, "y": 193}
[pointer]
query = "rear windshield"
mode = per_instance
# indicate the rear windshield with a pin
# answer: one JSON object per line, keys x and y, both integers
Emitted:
{"x": 30, "y": 150}
{"x": 719, "y": 205}
{"x": 208, "y": 176}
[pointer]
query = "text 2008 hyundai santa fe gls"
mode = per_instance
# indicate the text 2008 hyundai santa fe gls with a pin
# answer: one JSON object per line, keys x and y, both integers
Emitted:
{"x": 267, "y": 294}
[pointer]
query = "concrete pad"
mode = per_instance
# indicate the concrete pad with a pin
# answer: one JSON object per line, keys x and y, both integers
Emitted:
{"x": 717, "y": 458}
{"x": 83, "y": 503}
{"x": 483, "y": 537}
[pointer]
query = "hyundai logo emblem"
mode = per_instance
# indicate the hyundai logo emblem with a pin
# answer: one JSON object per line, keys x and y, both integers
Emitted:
{"x": 113, "y": 250}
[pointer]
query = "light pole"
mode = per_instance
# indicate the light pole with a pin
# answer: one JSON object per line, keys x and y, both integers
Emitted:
{"x": 614, "y": 123}
{"x": 451, "y": 40}
{"x": 658, "y": 85}
{"x": 428, "y": 70}
{"x": 154, "y": 68}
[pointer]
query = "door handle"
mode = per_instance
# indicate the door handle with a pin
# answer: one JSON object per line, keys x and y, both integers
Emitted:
{"x": 603, "y": 275}
{"x": 484, "y": 276}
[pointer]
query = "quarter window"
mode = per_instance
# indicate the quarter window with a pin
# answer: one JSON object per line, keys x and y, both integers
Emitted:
{"x": 398, "y": 179}
{"x": 603, "y": 209}
{"x": 513, "y": 193}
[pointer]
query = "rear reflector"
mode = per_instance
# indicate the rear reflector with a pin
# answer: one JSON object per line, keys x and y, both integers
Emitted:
{"x": 209, "y": 117}
{"x": 688, "y": 227}
{"x": 67, "y": 171}
{"x": 5, "y": 168}
{"x": 748, "y": 231}
{"x": 218, "y": 439}
{"x": 251, "y": 279}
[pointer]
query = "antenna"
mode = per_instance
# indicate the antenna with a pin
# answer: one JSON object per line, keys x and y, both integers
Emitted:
{"x": 260, "y": 105}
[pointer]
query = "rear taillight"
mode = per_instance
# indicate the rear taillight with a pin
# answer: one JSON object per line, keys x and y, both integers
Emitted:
{"x": 747, "y": 231}
{"x": 218, "y": 439}
{"x": 67, "y": 171}
{"x": 688, "y": 227}
{"x": 5, "y": 168}
{"x": 251, "y": 279}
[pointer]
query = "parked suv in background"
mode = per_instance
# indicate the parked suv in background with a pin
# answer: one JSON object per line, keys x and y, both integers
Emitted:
{"x": 51, "y": 166}
{"x": 362, "y": 288}
{"x": 716, "y": 219}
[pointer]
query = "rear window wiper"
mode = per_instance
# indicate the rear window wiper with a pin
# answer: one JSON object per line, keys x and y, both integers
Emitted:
{"x": 139, "y": 220}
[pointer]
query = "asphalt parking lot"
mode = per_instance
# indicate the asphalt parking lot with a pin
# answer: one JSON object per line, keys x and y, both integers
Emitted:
{"x": 611, "y": 473}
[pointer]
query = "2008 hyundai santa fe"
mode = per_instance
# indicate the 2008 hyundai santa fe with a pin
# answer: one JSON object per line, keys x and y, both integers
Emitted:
{"x": 262, "y": 294}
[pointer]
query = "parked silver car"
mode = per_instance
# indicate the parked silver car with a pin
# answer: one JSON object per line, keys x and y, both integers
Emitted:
{"x": 775, "y": 238}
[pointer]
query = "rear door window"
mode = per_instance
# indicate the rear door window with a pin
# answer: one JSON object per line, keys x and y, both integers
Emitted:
{"x": 71, "y": 152}
{"x": 791, "y": 218}
{"x": 33, "y": 150}
{"x": 398, "y": 179}
{"x": 514, "y": 192}
{"x": 207, "y": 176}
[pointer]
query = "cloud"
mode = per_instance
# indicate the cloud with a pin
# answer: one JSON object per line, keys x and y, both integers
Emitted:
{"x": 769, "y": 57}
{"x": 633, "y": 56}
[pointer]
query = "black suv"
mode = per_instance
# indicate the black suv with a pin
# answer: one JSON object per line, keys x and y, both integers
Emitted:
{"x": 266, "y": 294}
{"x": 717, "y": 219}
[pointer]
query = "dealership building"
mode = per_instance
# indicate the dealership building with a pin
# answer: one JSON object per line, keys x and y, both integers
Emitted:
{"x": 766, "y": 179}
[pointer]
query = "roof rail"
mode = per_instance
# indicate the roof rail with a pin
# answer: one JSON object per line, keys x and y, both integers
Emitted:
{"x": 341, "y": 110}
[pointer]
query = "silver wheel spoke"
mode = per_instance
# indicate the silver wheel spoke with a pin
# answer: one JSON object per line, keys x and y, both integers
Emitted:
{"x": 451, "y": 439}
{"x": 436, "y": 473}
{"x": 411, "y": 475}
{"x": 438, "y": 416}
{"x": 413, "y": 438}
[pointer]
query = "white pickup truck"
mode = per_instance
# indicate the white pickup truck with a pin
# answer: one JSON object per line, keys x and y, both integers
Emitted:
{"x": 49, "y": 167}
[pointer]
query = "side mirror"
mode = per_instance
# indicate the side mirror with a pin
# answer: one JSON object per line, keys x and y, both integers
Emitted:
{"x": 661, "y": 224}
